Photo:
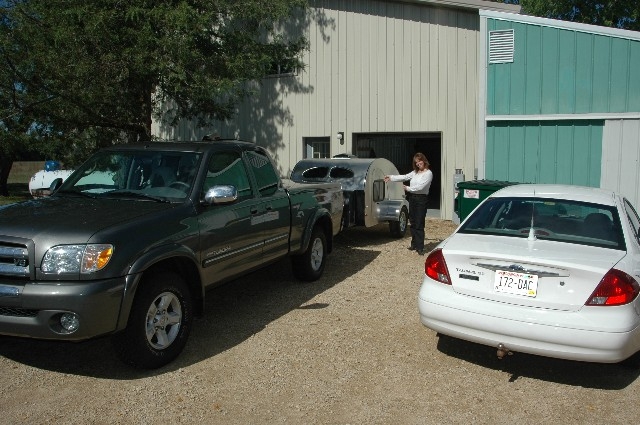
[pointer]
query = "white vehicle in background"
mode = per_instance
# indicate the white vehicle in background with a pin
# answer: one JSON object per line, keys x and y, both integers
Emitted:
{"x": 41, "y": 181}
{"x": 550, "y": 270}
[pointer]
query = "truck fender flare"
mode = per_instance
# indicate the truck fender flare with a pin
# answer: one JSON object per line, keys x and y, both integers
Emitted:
{"x": 322, "y": 217}
{"x": 144, "y": 263}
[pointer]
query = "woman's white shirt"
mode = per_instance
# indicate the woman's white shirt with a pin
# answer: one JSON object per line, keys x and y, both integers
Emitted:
{"x": 420, "y": 182}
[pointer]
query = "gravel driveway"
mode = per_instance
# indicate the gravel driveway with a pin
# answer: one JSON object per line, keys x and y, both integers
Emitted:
{"x": 348, "y": 349}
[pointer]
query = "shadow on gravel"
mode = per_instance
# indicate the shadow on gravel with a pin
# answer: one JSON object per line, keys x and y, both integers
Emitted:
{"x": 358, "y": 237}
{"x": 519, "y": 365}
{"x": 233, "y": 313}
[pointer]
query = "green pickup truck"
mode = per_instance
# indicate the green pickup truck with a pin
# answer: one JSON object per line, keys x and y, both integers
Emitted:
{"x": 129, "y": 244}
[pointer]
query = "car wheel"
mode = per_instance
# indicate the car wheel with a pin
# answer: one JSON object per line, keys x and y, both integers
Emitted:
{"x": 399, "y": 228}
{"x": 310, "y": 265}
{"x": 159, "y": 323}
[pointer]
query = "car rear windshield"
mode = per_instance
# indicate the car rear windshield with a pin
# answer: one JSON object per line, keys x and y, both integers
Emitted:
{"x": 551, "y": 219}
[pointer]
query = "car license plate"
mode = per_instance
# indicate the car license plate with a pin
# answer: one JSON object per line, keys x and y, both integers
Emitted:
{"x": 516, "y": 283}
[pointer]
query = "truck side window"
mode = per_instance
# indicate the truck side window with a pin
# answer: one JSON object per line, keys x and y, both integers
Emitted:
{"x": 266, "y": 177}
{"x": 226, "y": 168}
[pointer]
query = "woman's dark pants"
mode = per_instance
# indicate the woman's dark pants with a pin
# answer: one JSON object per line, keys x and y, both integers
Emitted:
{"x": 417, "y": 213}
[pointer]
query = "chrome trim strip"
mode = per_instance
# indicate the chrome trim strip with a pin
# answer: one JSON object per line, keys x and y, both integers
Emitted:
{"x": 11, "y": 270}
{"x": 14, "y": 252}
{"x": 518, "y": 269}
{"x": 277, "y": 238}
{"x": 9, "y": 291}
{"x": 209, "y": 261}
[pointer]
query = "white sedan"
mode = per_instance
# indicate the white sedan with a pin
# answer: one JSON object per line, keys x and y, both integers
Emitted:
{"x": 550, "y": 270}
{"x": 41, "y": 181}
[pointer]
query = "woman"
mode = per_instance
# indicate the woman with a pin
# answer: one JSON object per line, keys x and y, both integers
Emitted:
{"x": 417, "y": 191}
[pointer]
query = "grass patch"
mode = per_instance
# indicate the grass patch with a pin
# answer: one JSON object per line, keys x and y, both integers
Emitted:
{"x": 21, "y": 171}
{"x": 18, "y": 181}
{"x": 17, "y": 192}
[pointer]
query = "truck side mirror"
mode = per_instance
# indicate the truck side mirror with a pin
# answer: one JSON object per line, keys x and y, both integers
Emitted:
{"x": 221, "y": 194}
{"x": 55, "y": 185}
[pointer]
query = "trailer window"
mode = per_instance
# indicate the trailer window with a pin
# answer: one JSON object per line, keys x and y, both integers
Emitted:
{"x": 341, "y": 173}
{"x": 378, "y": 190}
{"x": 316, "y": 173}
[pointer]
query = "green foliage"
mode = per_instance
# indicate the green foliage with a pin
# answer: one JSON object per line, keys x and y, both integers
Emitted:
{"x": 77, "y": 75}
{"x": 622, "y": 14}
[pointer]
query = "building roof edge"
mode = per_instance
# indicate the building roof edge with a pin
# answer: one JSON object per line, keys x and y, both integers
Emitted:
{"x": 469, "y": 4}
{"x": 556, "y": 23}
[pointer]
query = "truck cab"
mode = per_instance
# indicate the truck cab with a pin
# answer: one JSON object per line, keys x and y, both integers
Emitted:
{"x": 130, "y": 242}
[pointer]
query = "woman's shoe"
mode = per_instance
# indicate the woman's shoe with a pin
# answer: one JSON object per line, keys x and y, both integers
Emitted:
{"x": 410, "y": 248}
{"x": 420, "y": 251}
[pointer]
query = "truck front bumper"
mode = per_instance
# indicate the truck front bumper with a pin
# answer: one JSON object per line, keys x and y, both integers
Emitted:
{"x": 41, "y": 310}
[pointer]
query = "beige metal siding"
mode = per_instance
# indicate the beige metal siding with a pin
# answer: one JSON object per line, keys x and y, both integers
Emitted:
{"x": 372, "y": 66}
{"x": 621, "y": 158}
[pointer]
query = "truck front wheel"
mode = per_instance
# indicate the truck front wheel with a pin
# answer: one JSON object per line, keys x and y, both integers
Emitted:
{"x": 159, "y": 323}
{"x": 309, "y": 265}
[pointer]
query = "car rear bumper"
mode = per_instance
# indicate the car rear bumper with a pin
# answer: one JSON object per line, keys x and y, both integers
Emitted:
{"x": 594, "y": 334}
{"x": 34, "y": 309}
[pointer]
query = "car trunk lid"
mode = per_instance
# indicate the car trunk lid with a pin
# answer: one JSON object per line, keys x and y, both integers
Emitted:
{"x": 533, "y": 273}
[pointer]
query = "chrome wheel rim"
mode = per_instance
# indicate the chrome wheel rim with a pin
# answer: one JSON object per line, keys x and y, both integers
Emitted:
{"x": 317, "y": 254}
{"x": 403, "y": 222}
{"x": 163, "y": 320}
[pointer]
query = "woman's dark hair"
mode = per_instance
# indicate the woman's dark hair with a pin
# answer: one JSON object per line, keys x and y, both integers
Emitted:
{"x": 420, "y": 157}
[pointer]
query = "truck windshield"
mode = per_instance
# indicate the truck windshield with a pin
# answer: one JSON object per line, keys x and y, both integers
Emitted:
{"x": 141, "y": 174}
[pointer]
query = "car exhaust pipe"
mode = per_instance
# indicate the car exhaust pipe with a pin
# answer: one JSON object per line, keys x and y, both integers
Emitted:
{"x": 503, "y": 351}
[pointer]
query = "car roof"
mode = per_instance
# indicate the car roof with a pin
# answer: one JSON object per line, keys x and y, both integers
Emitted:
{"x": 186, "y": 146}
{"x": 559, "y": 191}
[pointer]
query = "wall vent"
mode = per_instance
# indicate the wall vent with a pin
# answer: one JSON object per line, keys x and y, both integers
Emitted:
{"x": 501, "y": 46}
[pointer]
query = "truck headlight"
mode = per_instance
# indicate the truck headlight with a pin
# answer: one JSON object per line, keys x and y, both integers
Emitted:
{"x": 77, "y": 258}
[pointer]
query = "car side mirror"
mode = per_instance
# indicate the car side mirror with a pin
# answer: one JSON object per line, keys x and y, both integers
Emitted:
{"x": 221, "y": 194}
{"x": 55, "y": 185}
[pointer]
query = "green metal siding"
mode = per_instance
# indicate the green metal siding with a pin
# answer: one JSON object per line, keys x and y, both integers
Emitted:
{"x": 566, "y": 152}
{"x": 584, "y": 74}
{"x": 561, "y": 71}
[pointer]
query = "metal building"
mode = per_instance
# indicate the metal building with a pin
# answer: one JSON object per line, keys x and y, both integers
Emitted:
{"x": 560, "y": 103}
{"x": 383, "y": 78}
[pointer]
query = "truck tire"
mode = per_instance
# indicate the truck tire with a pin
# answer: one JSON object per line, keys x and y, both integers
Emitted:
{"x": 309, "y": 265}
{"x": 399, "y": 228}
{"x": 159, "y": 323}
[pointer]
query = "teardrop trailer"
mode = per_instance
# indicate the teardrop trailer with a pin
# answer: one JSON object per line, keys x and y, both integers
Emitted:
{"x": 368, "y": 200}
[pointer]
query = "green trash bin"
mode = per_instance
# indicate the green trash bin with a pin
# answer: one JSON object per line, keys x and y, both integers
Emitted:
{"x": 471, "y": 193}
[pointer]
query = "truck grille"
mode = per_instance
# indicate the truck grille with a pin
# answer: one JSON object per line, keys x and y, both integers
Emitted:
{"x": 14, "y": 261}
{"x": 17, "y": 312}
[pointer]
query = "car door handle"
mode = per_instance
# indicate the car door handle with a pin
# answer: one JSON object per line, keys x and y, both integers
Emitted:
{"x": 254, "y": 211}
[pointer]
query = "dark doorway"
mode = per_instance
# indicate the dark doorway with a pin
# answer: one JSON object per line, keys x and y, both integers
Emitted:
{"x": 399, "y": 148}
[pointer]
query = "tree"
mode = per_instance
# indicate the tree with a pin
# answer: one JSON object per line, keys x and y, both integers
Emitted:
{"x": 78, "y": 75}
{"x": 624, "y": 14}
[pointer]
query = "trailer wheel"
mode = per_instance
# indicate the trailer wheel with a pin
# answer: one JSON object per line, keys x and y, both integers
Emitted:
{"x": 159, "y": 322}
{"x": 309, "y": 265}
{"x": 399, "y": 228}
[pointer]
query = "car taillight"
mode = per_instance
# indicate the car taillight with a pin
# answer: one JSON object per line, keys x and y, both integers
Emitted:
{"x": 615, "y": 288}
{"x": 436, "y": 268}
